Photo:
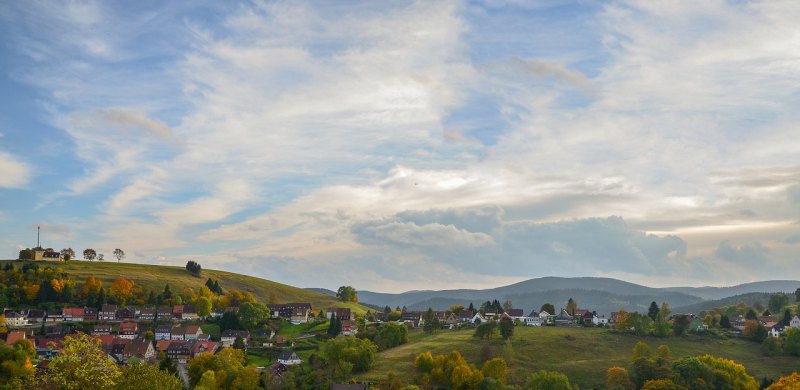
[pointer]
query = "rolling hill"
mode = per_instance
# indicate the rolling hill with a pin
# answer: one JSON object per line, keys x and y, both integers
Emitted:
{"x": 601, "y": 294}
{"x": 156, "y": 276}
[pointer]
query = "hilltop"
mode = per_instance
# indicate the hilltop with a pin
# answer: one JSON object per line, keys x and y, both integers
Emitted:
{"x": 156, "y": 276}
{"x": 601, "y": 294}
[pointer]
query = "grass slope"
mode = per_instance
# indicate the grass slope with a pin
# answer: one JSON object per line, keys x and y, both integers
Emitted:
{"x": 156, "y": 276}
{"x": 584, "y": 356}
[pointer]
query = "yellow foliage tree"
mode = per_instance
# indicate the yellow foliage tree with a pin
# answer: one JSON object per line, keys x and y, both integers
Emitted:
{"x": 789, "y": 382}
{"x": 31, "y": 291}
{"x": 82, "y": 364}
{"x": 618, "y": 378}
{"x": 122, "y": 289}
{"x": 57, "y": 285}
{"x": 91, "y": 285}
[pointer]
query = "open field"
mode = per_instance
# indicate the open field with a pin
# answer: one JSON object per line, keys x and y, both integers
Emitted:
{"x": 156, "y": 276}
{"x": 583, "y": 354}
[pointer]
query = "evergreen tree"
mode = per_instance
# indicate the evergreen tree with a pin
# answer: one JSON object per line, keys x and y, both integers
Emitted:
{"x": 217, "y": 289}
{"x": 91, "y": 299}
{"x": 787, "y": 317}
{"x": 68, "y": 293}
{"x": 751, "y": 314}
{"x": 335, "y": 326}
{"x": 387, "y": 309}
{"x": 167, "y": 294}
{"x": 151, "y": 299}
{"x": 210, "y": 284}
{"x": 239, "y": 343}
{"x": 653, "y": 311}
{"x": 431, "y": 322}
{"x": 724, "y": 322}
{"x": 101, "y": 299}
{"x": 471, "y": 307}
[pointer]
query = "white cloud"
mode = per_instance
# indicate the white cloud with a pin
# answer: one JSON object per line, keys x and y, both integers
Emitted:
{"x": 16, "y": 174}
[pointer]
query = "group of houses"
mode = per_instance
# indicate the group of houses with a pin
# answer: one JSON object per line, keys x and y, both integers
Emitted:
{"x": 771, "y": 322}
{"x": 416, "y": 319}
{"x": 123, "y": 330}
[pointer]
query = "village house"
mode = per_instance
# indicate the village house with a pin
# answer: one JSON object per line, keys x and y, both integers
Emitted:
{"x": 55, "y": 316}
{"x": 192, "y": 332}
{"x": 289, "y": 358}
{"x": 101, "y": 329}
{"x": 599, "y": 320}
{"x": 107, "y": 313}
{"x": 164, "y": 313}
{"x": 16, "y": 320}
{"x": 147, "y": 314}
{"x": 163, "y": 345}
{"x": 128, "y": 330}
{"x": 295, "y": 312}
{"x": 180, "y": 352}
{"x": 36, "y": 316}
{"x": 90, "y": 314}
{"x": 74, "y": 314}
{"x": 204, "y": 346}
{"x": 563, "y": 318}
{"x": 189, "y": 313}
{"x": 163, "y": 332}
{"x": 178, "y": 333}
{"x": 14, "y": 336}
{"x": 140, "y": 349}
{"x": 229, "y": 336}
{"x": 795, "y": 322}
{"x": 342, "y": 313}
{"x": 177, "y": 312}
{"x": 126, "y": 314}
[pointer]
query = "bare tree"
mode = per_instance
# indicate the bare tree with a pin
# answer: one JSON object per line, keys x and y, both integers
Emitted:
{"x": 119, "y": 254}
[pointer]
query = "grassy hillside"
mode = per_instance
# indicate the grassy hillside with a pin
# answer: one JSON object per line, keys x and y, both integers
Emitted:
{"x": 156, "y": 276}
{"x": 583, "y": 354}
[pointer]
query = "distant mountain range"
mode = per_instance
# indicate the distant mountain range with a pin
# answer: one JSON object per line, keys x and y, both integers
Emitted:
{"x": 603, "y": 295}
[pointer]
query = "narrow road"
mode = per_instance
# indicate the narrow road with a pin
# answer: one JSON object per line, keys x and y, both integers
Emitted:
{"x": 183, "y": 373}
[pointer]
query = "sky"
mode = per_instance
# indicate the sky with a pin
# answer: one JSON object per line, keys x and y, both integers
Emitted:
{"x": 402, "y": 145}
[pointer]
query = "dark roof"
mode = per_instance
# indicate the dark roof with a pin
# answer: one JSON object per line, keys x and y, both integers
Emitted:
{"x": 515, "y": 312}
{"x": 348, "y": 386}
{"x": 234, "y": 333}
{"x": 287, "y": 355}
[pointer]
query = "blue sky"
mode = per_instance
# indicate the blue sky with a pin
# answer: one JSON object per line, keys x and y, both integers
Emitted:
{"x": 407, "y": 145}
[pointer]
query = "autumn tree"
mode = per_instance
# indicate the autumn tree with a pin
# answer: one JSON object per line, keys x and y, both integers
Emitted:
{"x": 82, "y": 364}
{"x": 203, "y": 306}
{"x": 571, "y": 306}
{"x": 789, "y": 382}
{"x": 347, "y": 294}
{"x": 119, "y": 254}
{"x": 617, "y": 378}
{"x": 496, "y": 369}
{"x": 548, "y": 380}
{"x": 121, "y": 290}
{"x": 145, "y": 376}
{"x": 714, "y": 372}
{"x": 89, "y": 254}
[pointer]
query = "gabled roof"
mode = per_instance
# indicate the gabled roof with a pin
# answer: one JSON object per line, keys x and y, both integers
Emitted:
{"x": 287, "y": 355}
{"x": 515, "y": 312}
{"x": 13, "y": 337}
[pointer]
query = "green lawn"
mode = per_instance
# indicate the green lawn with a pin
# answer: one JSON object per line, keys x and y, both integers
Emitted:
{"x": 211, "y": 329}
{"x": 583, "y": 354}
{"x": 258, "y": 361}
